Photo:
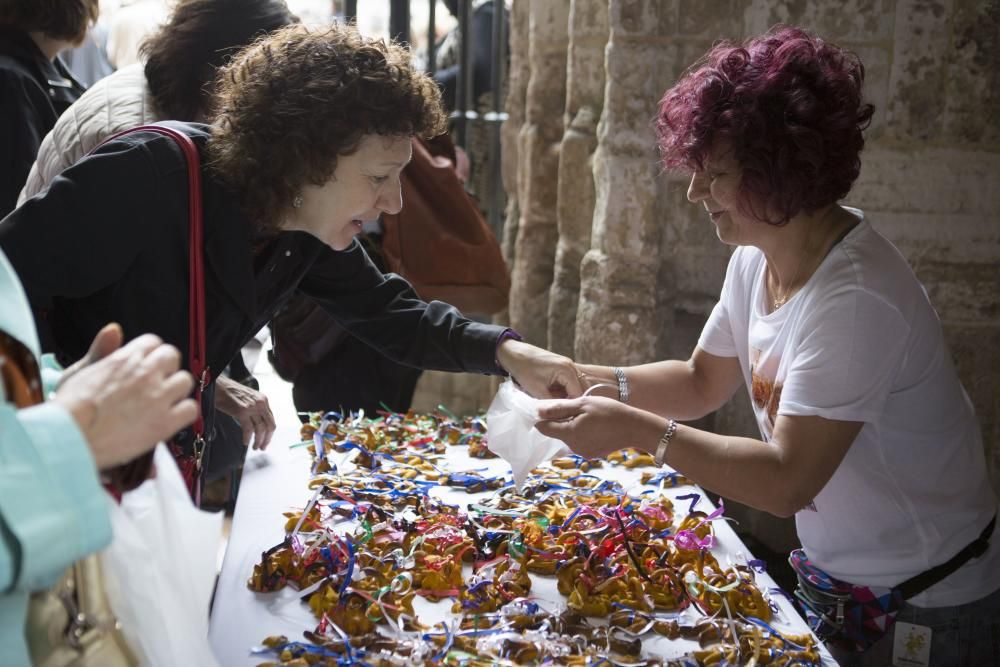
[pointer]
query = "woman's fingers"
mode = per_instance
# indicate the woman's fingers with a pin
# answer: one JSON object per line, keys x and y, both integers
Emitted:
{"x": 105, "y": 342}
{"x": 178, "y": 385}
{"x": 270, "y": 427}
{"x": 567, "y": 383}
{"x": 247, "y": 426}
{"x": 257, "y": 421}
{"x": 163, "y": 360}
{"x": 144, "y": 344}
{"x": 559, "y": 409}
{"x": 180, "y": 415}
{"x": 560, "y": 430}
{"x": 259, "y": 431}
{"x": 249, "y": 407}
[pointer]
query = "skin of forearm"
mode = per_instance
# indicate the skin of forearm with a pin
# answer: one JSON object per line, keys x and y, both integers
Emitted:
{"x": 742, "y": 469}
{"x": 665, "y": 388}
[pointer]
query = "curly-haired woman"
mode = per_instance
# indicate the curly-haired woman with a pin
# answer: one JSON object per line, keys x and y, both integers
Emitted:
{"x": 312, "y": 129}
{"x": 35, "y": 86}
{"x": 867, "y": 436}
{"x": 176, "y": 83}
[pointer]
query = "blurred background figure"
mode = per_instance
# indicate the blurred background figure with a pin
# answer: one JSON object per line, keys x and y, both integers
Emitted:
{"x": 35, "y": 85}
{"x": 175, "y": 83}
{"x": 89, "y": 61}
{"x": 478, "y": 135}
{"x": 481, "y": 46}
{"x": 131, "y": 24}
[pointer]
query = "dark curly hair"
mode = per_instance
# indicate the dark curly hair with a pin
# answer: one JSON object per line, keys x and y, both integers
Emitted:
{"x": 299, "y": 97}
{"x": 184, "y": 55}
{"x": 790, "y": 106}
{"x": 59, "y": 19}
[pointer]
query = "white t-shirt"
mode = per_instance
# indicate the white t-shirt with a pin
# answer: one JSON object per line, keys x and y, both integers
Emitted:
{"x": 861, "y": 342}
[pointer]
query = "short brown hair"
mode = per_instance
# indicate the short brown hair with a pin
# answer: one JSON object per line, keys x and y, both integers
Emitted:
{"x": 183, "y": 56}
{"x": 297, "y": 98}
{"x": 59, "y": 19}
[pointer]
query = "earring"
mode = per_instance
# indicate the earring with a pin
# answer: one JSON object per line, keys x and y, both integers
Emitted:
{"x": 297, "y": 202}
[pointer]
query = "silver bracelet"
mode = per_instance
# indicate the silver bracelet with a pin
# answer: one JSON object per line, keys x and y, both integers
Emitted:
{"x": 661, "y": 449}
{"x": 622, "y": 384}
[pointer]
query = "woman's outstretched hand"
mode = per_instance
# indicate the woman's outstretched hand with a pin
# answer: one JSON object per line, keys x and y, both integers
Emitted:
{"x": 541, "y": 373}
{"x": 594, "y": 426}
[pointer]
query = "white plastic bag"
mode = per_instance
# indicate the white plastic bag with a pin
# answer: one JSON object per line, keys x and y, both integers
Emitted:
{"x": 160, "y": 569}
{"x": 510, "y": 427}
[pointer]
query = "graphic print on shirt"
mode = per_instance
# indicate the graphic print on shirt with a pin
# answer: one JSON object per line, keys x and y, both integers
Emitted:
{"x": 765, "y": 389}
{"x": 768, "y": 340}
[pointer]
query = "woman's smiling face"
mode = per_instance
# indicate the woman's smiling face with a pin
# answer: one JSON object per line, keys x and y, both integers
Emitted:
{"x": 364, "y": 185}
{"x": 717, "y": 188}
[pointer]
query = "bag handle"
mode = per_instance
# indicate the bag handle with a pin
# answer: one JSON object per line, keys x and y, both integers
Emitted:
{"x": 197, "y": 351}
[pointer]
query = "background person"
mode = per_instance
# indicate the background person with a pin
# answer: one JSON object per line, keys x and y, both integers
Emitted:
{"x": 867, "y": 436}
{"x": 35, "y": 86}
{"x": 473, "y": 158}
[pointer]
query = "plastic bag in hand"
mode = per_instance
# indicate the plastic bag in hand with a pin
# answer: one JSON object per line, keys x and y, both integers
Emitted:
{"x": 510, "y": 424}
{"x": 160, "y": 569}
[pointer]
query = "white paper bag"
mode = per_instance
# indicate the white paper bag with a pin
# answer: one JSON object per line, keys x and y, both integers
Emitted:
{"x": 510, "y": 428}
{"x": 160, "y": 569}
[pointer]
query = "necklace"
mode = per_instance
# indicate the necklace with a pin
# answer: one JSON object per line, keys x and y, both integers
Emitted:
{"x": 779, "y": 300}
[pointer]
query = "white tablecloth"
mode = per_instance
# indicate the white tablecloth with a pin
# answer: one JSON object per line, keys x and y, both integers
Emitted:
{"x": 275, "y": 481}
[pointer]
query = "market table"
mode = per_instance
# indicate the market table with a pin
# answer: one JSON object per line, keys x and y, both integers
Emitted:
{"x": 275, "y": 481}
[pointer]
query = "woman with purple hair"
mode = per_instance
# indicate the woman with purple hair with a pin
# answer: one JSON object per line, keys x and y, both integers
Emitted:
{"x": 867, "y": 437}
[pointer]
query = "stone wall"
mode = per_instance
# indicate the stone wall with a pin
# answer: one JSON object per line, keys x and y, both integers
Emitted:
{"x": 612, "y": 264}
{"x": 538, "y": 148}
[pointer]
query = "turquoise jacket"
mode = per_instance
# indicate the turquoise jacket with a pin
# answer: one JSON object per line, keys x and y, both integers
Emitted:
{"x": 53, "y": 510}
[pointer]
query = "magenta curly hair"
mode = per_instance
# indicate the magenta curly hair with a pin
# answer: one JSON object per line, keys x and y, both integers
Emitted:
{"x": 790, "y": 105}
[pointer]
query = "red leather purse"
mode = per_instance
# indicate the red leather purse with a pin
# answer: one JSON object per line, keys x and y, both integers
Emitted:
{"x": 129, "y": 476}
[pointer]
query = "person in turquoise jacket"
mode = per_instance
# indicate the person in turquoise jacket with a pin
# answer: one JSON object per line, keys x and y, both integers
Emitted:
{"x": 112, "y": 406}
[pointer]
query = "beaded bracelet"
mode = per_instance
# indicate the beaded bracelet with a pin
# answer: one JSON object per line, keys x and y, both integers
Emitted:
{"x": 622, "y": 384}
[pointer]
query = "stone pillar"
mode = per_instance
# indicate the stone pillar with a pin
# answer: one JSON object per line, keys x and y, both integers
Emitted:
{"x": 588, "y": 37}
{"x": 538, "y": 162}
{"x": 517, "y": 90}
{"x": 620, "y": 314}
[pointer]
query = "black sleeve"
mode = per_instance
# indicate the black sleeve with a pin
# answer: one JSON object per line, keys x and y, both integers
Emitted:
{"x": 385, "y": 312}
{"x": 20, "y": 137}
{"x": 82, "y": 234}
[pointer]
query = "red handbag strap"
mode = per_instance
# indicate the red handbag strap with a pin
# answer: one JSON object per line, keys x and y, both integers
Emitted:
{"x": 197, "y": 352}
